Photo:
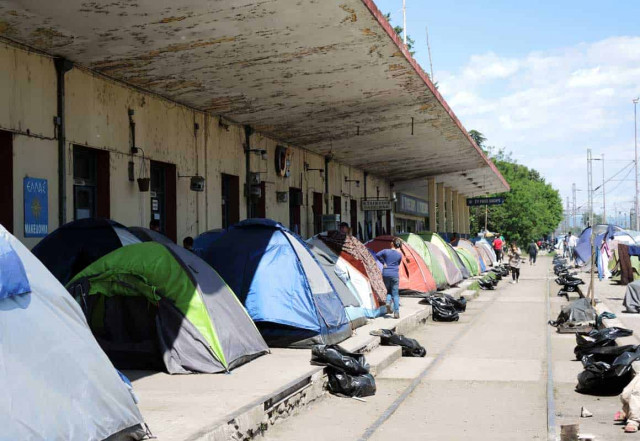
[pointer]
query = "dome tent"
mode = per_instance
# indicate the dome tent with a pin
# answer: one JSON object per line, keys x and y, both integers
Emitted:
{"x": 71, "y": 248}
{"x": 159, "y": 306}
{"x": 56, "y": 382}
{"x": 415, "y": 277}
{"x": 277, "y": 278}
{"x": 433, "y": 263}
{"x": 451, "y": 270}
{"x": 447, "y": 249}
{"x": 348, "y": 275}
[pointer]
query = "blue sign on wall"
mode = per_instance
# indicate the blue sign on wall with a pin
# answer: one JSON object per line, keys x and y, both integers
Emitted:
{"x": 36, "y": 207}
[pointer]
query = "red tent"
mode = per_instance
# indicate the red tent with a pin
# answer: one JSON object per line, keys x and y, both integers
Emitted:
{"x": 414, "y": 273}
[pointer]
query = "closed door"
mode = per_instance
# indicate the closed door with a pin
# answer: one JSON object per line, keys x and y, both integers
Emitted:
{"x": 6, "y": 180}
{"x": 295, "y": 202}
{"x": 337, "y": 205}
{"x": 353, "y": 211}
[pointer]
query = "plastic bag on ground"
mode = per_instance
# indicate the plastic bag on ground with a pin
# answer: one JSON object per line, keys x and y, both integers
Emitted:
{"x": 607, "y": 354}
{"x": 578, "y": 311}
{"x": 338, "y": 358}
{"x": 607, "y": 379}
{"x": 348, "y": 373}
{"x": 341, "y": 383}
{"x": 443, "y": 311}
{"x": 410, "y": 346}
{"x": 613, "y": 332}
{"x": 585, "y": 345}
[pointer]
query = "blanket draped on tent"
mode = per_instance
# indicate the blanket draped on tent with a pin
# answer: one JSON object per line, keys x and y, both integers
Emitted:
{"x": 341, "y": 242}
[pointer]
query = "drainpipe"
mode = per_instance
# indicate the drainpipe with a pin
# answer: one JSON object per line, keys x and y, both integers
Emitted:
{"x": 327, "y": 159}
{"x": 247, "y": 160}
{"x": 62, "y": 66}
{"x": 366, "y": 213}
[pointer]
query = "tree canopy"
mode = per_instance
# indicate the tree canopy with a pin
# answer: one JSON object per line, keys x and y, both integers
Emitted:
{"x": 531, "y": 210}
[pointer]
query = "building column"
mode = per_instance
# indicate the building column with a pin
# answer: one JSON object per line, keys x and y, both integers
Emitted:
{"x": 461, "y": 211}
{"x": 441, "y": 211}
{"x": 448, "y": 200}
{"x": 431, "y": 198}
{"x": 467, "y": 216}
{"x": 456, "y": 212}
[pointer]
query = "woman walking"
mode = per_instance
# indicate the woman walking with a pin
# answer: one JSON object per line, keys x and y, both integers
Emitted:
{"x": 514, "y": 262}
{"x": 533, "y": 253}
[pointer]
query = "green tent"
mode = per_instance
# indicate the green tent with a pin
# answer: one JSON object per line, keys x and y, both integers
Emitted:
{"x": 447, "y": 249}
{"x": 158, "y": 306}
{"x": 469, "y": 261}
{"x": 436, "y": 269}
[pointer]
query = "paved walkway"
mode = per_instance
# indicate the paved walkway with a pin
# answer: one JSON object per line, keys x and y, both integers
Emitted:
{"x": 484, "y": 379}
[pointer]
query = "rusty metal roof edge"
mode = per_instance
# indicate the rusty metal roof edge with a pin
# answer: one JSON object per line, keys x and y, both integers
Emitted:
{"x": 379, "y": 16}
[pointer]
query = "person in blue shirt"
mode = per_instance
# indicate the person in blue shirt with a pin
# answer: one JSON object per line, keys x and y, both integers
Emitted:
{"x": 391, "y": 259}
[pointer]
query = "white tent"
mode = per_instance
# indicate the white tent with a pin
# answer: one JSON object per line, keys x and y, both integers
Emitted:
{"x": 56, "y": 382}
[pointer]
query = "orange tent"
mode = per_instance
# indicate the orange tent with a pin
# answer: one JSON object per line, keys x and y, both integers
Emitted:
{"x": 415, "y": 276}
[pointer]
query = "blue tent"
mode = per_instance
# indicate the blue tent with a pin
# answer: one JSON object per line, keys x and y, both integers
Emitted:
{"x": 203, "y": 241}
{"x": 283, "y": 287}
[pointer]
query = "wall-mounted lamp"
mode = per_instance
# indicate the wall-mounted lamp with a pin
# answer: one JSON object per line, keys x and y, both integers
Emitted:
{"x": 197, "y": 182}
{"x": 261, "y": 152}
{"x": 308, "y": 169}
{"x": 352, "y": 180}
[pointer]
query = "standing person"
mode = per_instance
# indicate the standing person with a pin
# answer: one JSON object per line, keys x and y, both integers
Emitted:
{"x": 514, "y": 262}
{"x": 497, "y": 247}
{"x": 344, "y": 228}
{"x": 533, "y": 253}
{"x": 564, "y": 246}
{"x": 391, "y": 259}
{"x": 187, "y": 243}
{"x": 454, "y": 240}
{"x": 572, "y": 242}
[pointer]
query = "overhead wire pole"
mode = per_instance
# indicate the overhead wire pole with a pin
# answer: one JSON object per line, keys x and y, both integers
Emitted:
{"x": 635, "y": 137}
{"x": 433, "y": 80}
{"x": 604, "y": 195}
{"x": 590, "y": 292}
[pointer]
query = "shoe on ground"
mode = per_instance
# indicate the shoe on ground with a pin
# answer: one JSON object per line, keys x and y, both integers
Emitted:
{"x": 396, "y": 315}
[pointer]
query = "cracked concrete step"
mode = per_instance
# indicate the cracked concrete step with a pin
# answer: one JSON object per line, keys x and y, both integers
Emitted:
{"x": 382, "y": 357}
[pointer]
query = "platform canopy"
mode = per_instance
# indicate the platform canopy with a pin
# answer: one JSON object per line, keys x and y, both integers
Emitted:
{"x": 329, "y": 76}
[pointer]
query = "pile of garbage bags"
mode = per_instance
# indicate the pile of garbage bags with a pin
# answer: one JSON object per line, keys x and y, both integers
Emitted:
{"x": 446, "y": 308}
{"x": 607, "y": 367}
{"x": 348, "y": 372}
{"x": 410, "y": 346}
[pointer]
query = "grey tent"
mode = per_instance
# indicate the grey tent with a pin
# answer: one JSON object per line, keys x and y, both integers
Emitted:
{"x": 632, "y": 297}
{"x": 56, "y": 382}
{"x": 158, "y": 306}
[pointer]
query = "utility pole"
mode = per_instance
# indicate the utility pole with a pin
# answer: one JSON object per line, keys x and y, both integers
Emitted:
{"x": 573, "y": 211}
{"x": 590, "y": 292}
{"x": 433, "y": 80}
{"x": 567, "y": 215}
{"x": 404, "y": 21}
{"x": 604, "y": 195}
{"x": 635, "y": 137}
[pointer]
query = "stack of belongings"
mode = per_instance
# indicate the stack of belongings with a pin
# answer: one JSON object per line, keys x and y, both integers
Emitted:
{"x": 577, "y": 316}
{"x": 410, "y": 346}
{"x": 56, "y": 382}
{"x": 446, "y": 308}
{"x": 632, "y": 297}
{"x": 607, "y": 367}
{"x": 354, "y": 252}
{"x": 348, "y": 372}
{"x": 489, "y": 282}
{"x": 625, "y": 264}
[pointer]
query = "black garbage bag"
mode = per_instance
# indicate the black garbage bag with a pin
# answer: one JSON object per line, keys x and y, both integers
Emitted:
{"x": 410, "y": 346}
{"x": 443, "y": 310}
{"x": 341, "y": 383}
{"x": 613, "y": 332}
{"x": 460, "y": 304}
{"x": 608, "y": 354}
{"x": 348, "y": 372}
{"x": 586, "y": 345}
{"x": 600, "y": 378}
{"x": 337, "y": 357}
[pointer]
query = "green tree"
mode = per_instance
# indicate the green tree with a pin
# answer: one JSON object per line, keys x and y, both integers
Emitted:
{"x": 398, "y": 29}
{"x": 478, "y": 138}
{"x": 531, "y": 210}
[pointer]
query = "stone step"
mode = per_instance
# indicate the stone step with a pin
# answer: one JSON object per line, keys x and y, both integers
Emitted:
{"x": 383, "y": 357}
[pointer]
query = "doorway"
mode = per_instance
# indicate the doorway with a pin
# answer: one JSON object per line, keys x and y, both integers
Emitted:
{"x": 230, "y": 200}
{"x": 91, "y": 185}
{"x": 295, "y": 202}
{"x": 337, "y": 206}
{"x": 353, "y": 212}
{"x": 317, "y": 212}
{"x": 6, "y": 180}
{"x": 164, "y": 197}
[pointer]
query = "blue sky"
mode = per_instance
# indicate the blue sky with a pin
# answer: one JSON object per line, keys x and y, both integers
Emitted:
{"x": 543, "y": 79}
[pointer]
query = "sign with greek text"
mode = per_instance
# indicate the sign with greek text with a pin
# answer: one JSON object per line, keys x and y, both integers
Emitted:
{"x": 377, "y": 205}
{"x": 36, "y": 207}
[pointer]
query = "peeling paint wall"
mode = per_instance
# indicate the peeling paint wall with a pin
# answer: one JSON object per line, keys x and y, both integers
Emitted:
{"x": 97, "y": 117}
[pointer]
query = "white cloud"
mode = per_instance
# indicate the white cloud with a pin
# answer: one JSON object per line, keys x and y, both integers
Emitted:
{"x": 549, "y": 107}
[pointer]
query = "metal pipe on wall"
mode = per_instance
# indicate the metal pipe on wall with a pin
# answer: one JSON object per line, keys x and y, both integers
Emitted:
{"x": 62, "y": 66}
